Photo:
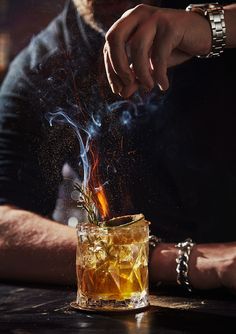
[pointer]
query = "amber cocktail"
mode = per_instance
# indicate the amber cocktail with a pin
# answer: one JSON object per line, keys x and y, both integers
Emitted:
{"x": 112, "y": 264}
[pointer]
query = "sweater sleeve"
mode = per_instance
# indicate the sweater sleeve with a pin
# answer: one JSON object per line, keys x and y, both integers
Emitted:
{"x": 29, "y": 175}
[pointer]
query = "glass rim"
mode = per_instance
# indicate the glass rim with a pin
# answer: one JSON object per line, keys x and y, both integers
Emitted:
{"x": 129, "y": 222}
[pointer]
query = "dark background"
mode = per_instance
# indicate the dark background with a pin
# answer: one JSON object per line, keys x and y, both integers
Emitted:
{"x": 19, "y": 21}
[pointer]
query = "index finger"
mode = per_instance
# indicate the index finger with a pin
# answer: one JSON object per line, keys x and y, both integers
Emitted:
{"x": 116, "y": 39}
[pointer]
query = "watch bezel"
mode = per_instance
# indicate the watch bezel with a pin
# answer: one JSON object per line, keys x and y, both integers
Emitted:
{"x": 202, "y": 8}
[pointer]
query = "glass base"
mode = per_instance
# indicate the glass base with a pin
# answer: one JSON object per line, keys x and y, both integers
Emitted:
{"x": 77, "y": 307}
{"x": 131, "y": 304}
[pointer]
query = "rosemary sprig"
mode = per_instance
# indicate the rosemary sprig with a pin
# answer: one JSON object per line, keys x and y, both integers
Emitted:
{"x": 87, "y": 203}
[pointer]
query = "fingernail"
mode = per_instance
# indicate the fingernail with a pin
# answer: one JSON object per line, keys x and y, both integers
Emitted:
{"x": 160, "y": 87}
{"x": 116, "y": 89}
{"x": 112, "y": 88}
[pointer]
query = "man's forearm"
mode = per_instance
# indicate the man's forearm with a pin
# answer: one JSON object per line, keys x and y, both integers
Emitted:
{"x": 210, "y": 265}
{"x": 230, "y": 21}
{"x": 35, "y": 249}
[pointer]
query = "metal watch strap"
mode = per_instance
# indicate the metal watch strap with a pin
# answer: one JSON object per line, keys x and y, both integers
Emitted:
{"x": 182, "y": 263}
{"x": 215, "y": 14}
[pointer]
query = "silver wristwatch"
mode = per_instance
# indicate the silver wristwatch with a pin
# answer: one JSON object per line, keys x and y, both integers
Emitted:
{"x": 214, "y": 12}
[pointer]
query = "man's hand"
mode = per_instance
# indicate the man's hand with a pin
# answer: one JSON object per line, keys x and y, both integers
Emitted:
{"x": 147, "y": 40}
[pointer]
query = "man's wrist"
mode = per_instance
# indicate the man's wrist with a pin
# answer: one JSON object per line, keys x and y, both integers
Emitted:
{"x": 214, "y": 14}
{"x": 203, "y": 270}
{"x": 230, "y": 22}
{"x": 162, "y": 267}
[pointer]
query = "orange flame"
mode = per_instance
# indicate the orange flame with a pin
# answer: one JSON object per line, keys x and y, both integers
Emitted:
{"x": 98, "y": 195}
{"x": 102, "y": 203}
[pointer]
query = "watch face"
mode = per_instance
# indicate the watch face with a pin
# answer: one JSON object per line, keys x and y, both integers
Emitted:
{"x": 202, "y": 7}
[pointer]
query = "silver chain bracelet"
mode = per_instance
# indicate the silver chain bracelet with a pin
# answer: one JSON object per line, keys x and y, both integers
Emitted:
{"x": 154, "y": 241}
{"x": 182, "y": 263}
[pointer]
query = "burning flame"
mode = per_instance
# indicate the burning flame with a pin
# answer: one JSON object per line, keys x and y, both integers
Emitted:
{"x": 97, "y": 189}
{"x": 102, "y": 202}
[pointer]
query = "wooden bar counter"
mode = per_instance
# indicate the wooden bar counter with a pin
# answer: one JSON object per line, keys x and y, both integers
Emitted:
{"x": 26, "y": 309}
